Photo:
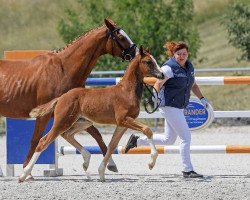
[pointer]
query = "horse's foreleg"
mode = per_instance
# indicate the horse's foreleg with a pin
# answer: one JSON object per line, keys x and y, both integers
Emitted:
{"x": 119, "y": 131}
{"x": 61, "y": 125}
{"x": 40, "y": 126}
{"x": 93, "y": 131}
{"x": 42, "y": 145}
{"x": 64, "y": 118}
{"x": 135, "y": 125}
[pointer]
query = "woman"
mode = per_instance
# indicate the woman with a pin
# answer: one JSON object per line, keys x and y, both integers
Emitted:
{"x": 175, "y": 93}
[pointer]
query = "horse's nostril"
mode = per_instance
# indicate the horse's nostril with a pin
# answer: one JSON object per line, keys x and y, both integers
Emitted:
{"x": 162, "y": 76}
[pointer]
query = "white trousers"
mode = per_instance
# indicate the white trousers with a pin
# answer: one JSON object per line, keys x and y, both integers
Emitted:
{"x": 175, "y": 125}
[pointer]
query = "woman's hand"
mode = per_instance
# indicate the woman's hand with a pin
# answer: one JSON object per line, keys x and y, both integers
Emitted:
{"x": 204, "y": 102}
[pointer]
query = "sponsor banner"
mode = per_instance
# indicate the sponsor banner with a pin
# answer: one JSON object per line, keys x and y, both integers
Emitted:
{"x": 197, "y": 116}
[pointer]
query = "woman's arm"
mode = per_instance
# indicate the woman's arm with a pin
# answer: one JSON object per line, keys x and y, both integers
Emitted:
{"x": 196, "y": 91}
{"x": 159, "y": 83}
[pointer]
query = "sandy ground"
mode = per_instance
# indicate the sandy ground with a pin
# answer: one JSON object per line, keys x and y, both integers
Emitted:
{"x": 227, "y": 176}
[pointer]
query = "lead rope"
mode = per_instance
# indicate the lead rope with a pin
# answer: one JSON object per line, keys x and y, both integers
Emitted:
{"x": 146, "y": 101}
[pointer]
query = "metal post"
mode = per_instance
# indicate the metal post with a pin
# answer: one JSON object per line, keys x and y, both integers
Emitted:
{"x": 1, "y": 172}
{"x": 10, "y": 170}
{"x": 53, "y": 168}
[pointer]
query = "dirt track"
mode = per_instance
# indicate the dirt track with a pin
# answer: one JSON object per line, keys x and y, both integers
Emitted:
{"x": 227, "y": 176}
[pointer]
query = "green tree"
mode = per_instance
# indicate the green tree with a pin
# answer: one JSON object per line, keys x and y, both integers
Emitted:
{"x": 237, "y": 22}
{"x": 149, "y": 22}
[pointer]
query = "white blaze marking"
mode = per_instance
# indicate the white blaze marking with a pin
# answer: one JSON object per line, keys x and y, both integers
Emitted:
{"x": 158, "y": 68}
{"x": 126, "y": 36}
{"x": 130, "y": 41}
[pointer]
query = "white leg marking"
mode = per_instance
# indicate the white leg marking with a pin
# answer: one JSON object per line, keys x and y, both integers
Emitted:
{"x": 27, "y": 170}
{"x": 86, "y": 157}
{"x": 154, "y": 154}
{"x": 101, "y": 171}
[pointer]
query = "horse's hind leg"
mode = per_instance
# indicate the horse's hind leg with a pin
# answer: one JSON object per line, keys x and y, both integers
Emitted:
{"x": 80, "y": 125}
{"x": 93, "y": 131}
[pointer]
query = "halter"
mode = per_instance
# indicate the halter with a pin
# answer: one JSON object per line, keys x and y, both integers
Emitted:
{"x": 127, "y": 53}
{"x": 147, "y": 101}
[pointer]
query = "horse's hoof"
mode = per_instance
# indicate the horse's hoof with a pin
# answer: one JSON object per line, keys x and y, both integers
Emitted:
{"x": 30, "y": 178}
{"x": 20, "y": 180}
{"x": 112, "y": 168}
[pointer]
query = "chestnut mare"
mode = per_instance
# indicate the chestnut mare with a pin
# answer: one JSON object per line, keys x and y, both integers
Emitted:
{"x": 26, "y": 84}
{"x": 119, "y": 105}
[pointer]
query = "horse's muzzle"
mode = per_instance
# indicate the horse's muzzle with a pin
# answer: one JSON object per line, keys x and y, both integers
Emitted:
{"x": 129, "y": 53}
{"x": 161, "y": 76}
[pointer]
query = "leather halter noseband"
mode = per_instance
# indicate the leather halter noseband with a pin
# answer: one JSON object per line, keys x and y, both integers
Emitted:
{"x": 127, "y": 53}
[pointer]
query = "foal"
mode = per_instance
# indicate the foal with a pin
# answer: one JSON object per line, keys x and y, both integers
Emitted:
{"x": 119, "y": 104}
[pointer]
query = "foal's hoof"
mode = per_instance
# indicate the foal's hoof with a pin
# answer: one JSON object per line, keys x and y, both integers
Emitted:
{"x": 85, "y": 167}
{"x": 88, "y": 175}
{"x": 86, "y": 158}
{"x": 112, "y": 168}
{"x": 102, "y": 180}
{"x": 150, "y": 166}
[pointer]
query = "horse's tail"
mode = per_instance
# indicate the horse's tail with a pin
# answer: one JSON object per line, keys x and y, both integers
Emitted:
{"x": 44, "y": 109}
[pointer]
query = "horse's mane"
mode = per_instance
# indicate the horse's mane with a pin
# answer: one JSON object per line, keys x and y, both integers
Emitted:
{"x": 76, "y": 39}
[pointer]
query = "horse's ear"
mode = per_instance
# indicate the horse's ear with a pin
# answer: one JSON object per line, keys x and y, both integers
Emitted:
{"x": 141, "y": 50}
{"x": 110, "y": 24}
{"x": 147, "y": 50}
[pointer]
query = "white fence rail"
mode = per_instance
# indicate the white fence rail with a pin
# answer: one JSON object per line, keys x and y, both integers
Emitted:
{"x": 217, "y": 114}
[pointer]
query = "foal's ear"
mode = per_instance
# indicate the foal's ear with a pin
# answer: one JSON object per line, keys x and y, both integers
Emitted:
{"x": 141, "y": 50}
{"x": 147, "y": 50}
{"x": 110, "y": 24}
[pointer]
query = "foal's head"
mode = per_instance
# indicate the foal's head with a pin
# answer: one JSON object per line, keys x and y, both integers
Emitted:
{"x": 119, "y": 43}
{"x": 148, "y": 65}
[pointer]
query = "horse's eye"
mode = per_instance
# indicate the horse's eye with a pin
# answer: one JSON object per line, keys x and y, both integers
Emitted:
{"x": 148, "y": 62}
{"x": 121, "y": 37}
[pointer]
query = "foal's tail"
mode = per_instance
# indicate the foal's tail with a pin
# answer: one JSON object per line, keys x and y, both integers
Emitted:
{"x": 44, "y": 109}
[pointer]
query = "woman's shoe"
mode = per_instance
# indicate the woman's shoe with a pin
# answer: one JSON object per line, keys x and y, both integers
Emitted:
{"x": 192, "y": 174}
{"x": 132, "y": 142}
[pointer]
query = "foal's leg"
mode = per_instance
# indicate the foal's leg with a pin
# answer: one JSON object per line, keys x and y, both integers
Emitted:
{"x": 93, "y": 131}
{"x": 135, "y": 125}
{"x": 77, "y": 127}
{"x": 119, "y": 131}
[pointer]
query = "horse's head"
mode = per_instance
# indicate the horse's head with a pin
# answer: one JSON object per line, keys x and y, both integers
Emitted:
{"x": 148, "y": 65}
{"x": 119, "y": 44}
